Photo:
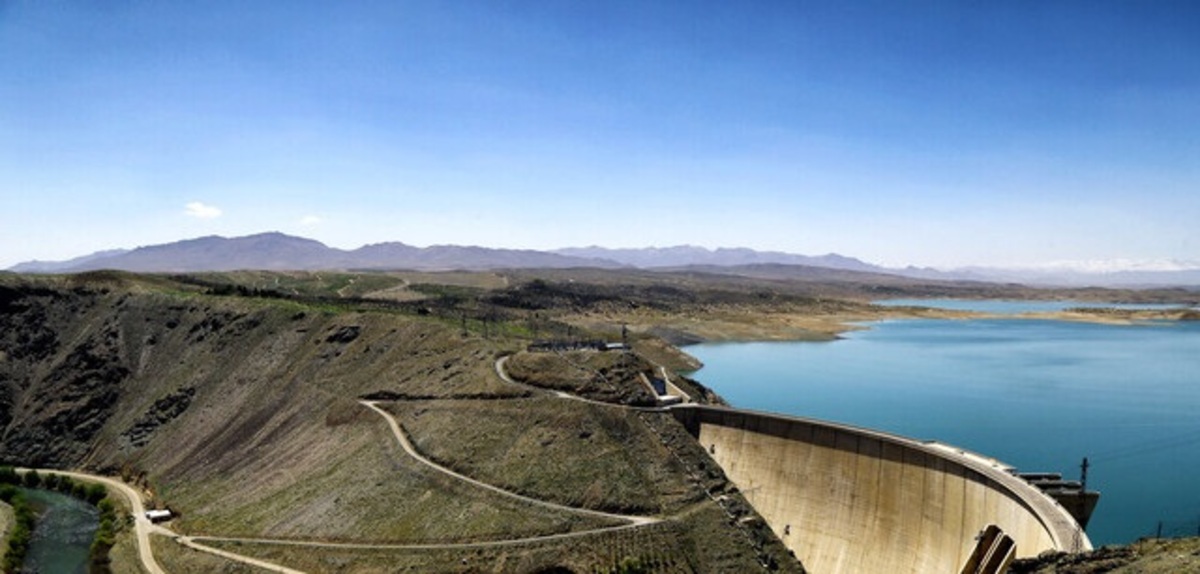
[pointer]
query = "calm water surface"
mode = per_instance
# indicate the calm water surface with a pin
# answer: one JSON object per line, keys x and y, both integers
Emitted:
{"x": 63, "y": 534}
{"x": 1039, "y": 395}
{"x": 1014, "y": 307}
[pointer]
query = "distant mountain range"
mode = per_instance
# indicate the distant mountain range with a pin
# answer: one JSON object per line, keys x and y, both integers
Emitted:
{"x": 280, "y": 252}
{"x": 687, "y": 255}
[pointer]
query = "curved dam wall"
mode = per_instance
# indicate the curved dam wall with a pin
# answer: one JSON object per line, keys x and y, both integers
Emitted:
{"x": 846, "y": 499}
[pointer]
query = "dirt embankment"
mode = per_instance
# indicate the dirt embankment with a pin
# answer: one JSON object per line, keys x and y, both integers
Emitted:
{"x": 1151, "y": 556}
{"x": 1118, "y": 316}
{"x": 6, "y": 522}
{"x": 818, "y": 322}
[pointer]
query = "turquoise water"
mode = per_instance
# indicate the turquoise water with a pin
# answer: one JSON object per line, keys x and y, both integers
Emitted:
{"x": 1012, "y": 306}
{"x": 1039, "y": 395}
{"x": 63, "y": 534}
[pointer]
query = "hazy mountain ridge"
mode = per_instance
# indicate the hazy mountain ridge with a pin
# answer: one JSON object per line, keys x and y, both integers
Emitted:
{"x": 279, "y": 252}
{"x": 684, "y": 255}
{"x": 36, "y": 266}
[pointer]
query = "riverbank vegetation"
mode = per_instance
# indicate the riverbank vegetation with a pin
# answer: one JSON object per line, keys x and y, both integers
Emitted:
{"x": 95, "y": 494}
{"x": 21, "y": 532}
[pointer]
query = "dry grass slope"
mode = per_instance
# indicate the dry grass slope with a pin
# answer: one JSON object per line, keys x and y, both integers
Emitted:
{"x": 568, "y": 452}
{"x": 1150, "y": 556}
{"x": 241, "y": 414}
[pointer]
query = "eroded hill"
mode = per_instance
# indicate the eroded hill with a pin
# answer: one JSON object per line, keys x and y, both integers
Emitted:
{"x": 243, "y": 414}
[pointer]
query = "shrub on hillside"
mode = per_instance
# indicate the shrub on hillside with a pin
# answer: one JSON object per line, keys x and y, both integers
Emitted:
{"x": 32, "y": 479}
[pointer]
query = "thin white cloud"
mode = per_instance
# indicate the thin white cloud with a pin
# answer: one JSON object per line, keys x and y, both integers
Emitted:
{"x": 202, "y": 211}
{"x": 310, "y": 220}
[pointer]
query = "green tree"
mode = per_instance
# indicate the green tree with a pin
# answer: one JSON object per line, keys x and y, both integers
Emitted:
{"x": 106, "y": 537}
{"x": 95, "y": 493}
{"x": 51, "y": 482}
{"x": 32, "y": 479}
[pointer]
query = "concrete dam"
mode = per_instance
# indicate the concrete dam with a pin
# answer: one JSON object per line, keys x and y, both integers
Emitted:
{"x": 853, "y": 500}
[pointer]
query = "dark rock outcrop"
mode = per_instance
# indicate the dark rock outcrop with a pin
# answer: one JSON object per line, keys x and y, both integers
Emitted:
{"x": 162, "y": 412}
{"x": 64, "y": 363}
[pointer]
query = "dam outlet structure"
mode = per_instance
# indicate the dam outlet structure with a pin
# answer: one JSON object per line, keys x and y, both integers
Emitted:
{"x": 845, "y": 499}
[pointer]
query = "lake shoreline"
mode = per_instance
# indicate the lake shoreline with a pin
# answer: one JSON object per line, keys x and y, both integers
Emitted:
{"x": 1068, "y": 388}
{"x": 748, "y": 326}
{"x": 798, "y": 327}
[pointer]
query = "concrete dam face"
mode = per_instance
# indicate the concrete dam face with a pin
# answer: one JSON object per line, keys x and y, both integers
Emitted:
{"x": 846, "y": 499}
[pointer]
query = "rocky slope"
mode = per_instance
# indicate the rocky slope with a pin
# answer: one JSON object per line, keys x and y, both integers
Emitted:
{"x": 1150, "y": 556}
{"x": 240, "y": 412}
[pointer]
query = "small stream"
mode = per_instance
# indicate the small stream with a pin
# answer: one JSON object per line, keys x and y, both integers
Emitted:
{"x": 63, "y": 535}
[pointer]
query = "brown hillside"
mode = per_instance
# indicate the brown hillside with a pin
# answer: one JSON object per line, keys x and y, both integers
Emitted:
{"x": 241, "y": 413}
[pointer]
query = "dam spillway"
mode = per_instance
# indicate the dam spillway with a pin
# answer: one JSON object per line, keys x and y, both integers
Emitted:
{"x": 847, "y": 499}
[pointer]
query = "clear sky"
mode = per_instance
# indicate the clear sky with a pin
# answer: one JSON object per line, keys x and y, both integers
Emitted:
{"x": 927, "y": 133}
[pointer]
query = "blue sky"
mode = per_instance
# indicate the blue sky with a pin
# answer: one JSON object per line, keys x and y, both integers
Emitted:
{"x": 925, "y": 133}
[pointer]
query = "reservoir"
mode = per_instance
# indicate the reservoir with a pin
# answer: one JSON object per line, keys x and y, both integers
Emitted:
{"x": 63, "y": 535}
{"x": 1036, "y": 394}
{"x": 1014, "y": 307}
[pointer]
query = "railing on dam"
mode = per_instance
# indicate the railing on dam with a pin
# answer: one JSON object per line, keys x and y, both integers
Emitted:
{"x": 848, "y": 499}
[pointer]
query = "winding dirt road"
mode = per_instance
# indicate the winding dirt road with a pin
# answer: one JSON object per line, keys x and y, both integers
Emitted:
{"x": 504, "y": 376}
{"x": 190, "y": 542}
{"x": 407, "y": 445}
{"x": 143, "y": 528}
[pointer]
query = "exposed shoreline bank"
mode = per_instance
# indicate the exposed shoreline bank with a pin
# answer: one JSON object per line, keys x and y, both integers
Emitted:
{"x": 749, "y": 326}
{"x": 799, "y": 327}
